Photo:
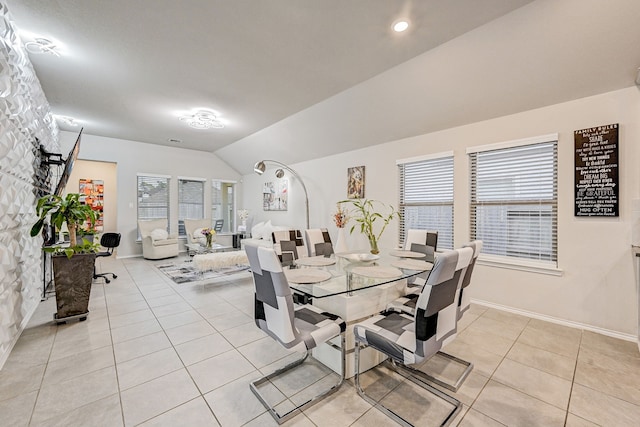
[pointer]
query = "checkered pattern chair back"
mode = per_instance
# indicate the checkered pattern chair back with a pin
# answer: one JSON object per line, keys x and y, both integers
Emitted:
{"x": 318, "y": 238}
{"x": 297, "y": 247}
{"x": 422, "y": 241}
{"x": 464, "y": 300}
{"x": 448, "y": 316}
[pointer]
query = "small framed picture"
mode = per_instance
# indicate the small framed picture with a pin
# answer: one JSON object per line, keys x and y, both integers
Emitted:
{"x": 355, "y": 182}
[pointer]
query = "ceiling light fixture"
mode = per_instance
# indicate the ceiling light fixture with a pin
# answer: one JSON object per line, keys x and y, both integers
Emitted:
{"x": 41, "y": 45}
{"x": 400, "y": 26}
{"x": 203, "y": 119}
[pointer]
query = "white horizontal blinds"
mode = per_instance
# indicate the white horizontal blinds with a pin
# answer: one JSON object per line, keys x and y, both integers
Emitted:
{"x": 514, "y": 201}
{"x": 153, "y": 197}
{"x": 190, "y": 201}
{"x": 426, "y": 198}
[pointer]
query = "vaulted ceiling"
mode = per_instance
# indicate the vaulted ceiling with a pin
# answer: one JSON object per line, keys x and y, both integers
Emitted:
{"x": 295, "y": 80}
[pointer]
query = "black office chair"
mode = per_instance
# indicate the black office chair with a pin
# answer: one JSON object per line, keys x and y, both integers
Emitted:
{"x": 217, "y": 226}
{"x": 109, "y": 241}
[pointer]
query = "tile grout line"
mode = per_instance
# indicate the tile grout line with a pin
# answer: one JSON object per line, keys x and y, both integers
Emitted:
{"x": 494, "y": 371}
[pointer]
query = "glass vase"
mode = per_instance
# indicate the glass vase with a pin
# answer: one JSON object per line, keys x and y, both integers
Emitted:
{"x": 209, "y": 238}
{"x": 374, "y": 245}
{"x": 341, "y": 243}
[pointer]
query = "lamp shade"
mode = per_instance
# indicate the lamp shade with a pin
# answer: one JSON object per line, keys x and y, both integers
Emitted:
{"x": 259, "y": 167}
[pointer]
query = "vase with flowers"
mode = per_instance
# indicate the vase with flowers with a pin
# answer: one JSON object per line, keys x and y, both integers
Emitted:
{"x": 340, "y": 219}
{"x": 209, "y": 235}
{"x": 243, "y": 214}
{"x": 366, "y": 215}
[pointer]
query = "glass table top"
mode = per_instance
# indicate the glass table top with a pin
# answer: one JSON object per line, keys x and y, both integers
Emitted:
{"x": 350, "y": 272}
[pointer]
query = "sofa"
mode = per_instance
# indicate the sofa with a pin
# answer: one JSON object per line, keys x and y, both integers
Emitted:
{"x": 268, "y": 235}
{"x": 156, "y": 241}
{"x": 261, "y": 234}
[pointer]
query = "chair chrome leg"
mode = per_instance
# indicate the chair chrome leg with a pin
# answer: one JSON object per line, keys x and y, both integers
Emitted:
{"x": 449, "y": 386}
{"x": 298, "y": 409}
{"x": 457, "y": 406}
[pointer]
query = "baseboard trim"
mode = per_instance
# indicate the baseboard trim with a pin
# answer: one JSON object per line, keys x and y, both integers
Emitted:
{"x": 23, "y": 324}
{"x": 563, "y": 322}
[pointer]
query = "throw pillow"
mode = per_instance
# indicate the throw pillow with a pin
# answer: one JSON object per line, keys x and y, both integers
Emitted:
{"x": 159, "y": 234}
{"x": 198, "y": 233}
{"x": 267, "y": 230}
{"x": 256, "y": 230}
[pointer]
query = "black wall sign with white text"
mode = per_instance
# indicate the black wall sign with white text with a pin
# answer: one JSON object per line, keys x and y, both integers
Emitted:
{"x": 596, "y": 174}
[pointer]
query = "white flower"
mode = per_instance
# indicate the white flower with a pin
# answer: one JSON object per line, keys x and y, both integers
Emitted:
{"x": 243, "y": 214}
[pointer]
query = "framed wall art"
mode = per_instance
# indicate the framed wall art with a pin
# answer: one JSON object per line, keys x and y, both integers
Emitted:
{"x": 275, "y": 195}
{"x": 597, "y": 187}
{"x": 92, "y": 194}
{"x": 355, "y": 182}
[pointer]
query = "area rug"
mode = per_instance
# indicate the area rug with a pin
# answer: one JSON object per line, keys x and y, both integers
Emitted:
{"x": 185, "y": 272}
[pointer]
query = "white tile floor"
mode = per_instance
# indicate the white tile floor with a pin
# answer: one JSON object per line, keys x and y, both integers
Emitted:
{"x": 154, "y": 353}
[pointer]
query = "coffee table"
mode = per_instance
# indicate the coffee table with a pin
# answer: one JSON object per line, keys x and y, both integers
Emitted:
{"x": 197, "y": 248}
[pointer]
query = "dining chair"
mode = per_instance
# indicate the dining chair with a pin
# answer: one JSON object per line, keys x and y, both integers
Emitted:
{"x": 300, "y": 328}
{"x": 110, "y": 241}
{"x": 448, "y": 319}
{"x": 425, "y": 241}
{"x": 410, "y": 340}
{"x": 464, "y": 300}
{"x": 317, "y": 236}
{"x": 296, "y": 240}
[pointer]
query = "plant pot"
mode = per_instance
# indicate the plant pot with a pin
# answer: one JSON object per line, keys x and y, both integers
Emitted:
{"x": 73, "y": 278}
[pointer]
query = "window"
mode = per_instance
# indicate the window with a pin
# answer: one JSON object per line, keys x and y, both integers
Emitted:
{"x": 223, "y": 203}
{"x": 426, "y": 196}
{"x": 190, "y": 201}
{"x": 153, "y": 197}
{"x": 514, "y": 199}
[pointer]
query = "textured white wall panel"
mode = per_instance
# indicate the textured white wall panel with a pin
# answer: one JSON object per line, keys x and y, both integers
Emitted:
{"x": 24, "y": 116}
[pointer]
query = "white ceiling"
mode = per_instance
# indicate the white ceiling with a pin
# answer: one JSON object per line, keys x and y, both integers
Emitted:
{"x": 302, "y": 79}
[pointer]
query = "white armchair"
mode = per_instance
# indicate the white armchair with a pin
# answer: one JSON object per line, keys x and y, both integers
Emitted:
{"x": 156, "y": 242}
{"x": 191, "y": 227}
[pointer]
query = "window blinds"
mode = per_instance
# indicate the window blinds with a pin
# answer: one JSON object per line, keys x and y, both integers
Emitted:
{"x": 153, "y": 197}
{"x": 514, "y": 201}
{"x": 426, "y": 198}
{"x": 190, "y": 201}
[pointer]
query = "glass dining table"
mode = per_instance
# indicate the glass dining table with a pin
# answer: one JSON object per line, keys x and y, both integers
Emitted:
{"x": 354, "y": 286}
{"x": 347, "y": 273}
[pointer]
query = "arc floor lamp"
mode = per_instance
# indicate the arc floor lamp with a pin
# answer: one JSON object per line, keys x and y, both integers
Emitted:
{"x": 261, "y": 166}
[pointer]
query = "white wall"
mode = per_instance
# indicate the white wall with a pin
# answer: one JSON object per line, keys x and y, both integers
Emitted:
{"x": 134, "y": 157}
{"x": 597, "y": 287}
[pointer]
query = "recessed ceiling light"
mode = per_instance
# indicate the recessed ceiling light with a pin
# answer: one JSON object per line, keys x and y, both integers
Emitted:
{"x": 41, "y": 45}
{"x": 400, "y": 26}
{"x": 203, "y": 120}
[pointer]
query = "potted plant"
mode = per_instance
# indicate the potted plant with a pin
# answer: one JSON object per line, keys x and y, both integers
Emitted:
{"x": 366, "y": 215}
{"x": 73, "y": 265}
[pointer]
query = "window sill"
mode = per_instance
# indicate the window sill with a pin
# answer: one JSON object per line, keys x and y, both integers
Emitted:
{"x": 520, "y": 265}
